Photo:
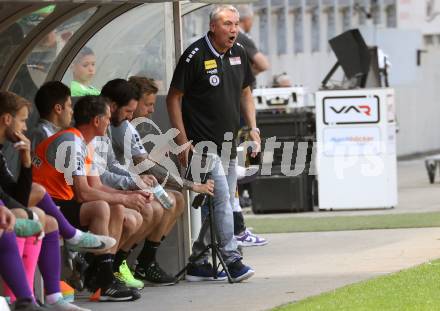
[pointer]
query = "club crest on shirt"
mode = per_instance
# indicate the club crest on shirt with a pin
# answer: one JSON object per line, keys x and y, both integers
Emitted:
{"x": 235, "y": 60}
{"x": 210, "y": 64}
{"x": 214, "y": 80}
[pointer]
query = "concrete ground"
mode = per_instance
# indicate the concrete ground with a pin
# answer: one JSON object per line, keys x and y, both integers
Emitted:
{"x": 298, "y": 265}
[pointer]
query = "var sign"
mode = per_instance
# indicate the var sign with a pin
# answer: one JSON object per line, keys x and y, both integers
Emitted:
{"x": 351, "y": 110}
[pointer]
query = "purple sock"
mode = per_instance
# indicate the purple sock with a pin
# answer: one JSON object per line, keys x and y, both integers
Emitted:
{"x": 49, "y": 262}
{"x": 11, "y": 266}
{"x": 48, "y": 206}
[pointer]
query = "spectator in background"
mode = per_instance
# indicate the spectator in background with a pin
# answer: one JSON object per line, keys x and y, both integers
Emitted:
{"x": 259, "y": 63}
{"x": 258, "y": 60}
{"x": 83, "y": 70}
{"x": 282, "y": 80}
{"x": 44, "y": 53}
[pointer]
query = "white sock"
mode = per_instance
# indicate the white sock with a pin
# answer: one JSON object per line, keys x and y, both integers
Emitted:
{"x": 76, "y": 238}
{"x": 52, "y": 298}
{"x": 236, "y": 207}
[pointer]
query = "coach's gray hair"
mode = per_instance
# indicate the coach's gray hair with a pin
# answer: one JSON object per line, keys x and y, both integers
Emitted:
{"x": 220, "y": 8}
{"x": 245, "y": 10}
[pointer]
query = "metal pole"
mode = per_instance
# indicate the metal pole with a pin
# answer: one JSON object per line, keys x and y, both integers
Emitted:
{"x": 177, "y": 20}
{"x": 213, "y": 237}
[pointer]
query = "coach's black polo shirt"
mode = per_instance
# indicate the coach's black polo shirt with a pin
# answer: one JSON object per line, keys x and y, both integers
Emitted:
{"x": 212, "y": 85}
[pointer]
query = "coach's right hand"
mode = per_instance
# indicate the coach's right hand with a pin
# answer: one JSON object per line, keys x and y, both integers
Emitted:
{"x": 183, "y": 156}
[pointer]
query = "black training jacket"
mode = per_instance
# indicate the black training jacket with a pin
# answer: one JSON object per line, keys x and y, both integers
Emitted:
{"x": 14, "y": 194}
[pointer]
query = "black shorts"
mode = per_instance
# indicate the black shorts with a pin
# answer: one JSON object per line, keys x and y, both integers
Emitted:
{"x": 71, "y": 210}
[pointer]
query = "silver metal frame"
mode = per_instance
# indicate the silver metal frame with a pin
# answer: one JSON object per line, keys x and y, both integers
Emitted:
{"x": 61, "y": 14}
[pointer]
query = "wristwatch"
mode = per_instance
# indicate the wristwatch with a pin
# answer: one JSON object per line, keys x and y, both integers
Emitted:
{"x": 255, "y": 129}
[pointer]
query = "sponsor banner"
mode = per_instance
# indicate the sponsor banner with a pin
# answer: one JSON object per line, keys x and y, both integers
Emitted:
{"x": 352, "y": 141}
{"x": 214, "y": 80}
{"x": 351, "y": 110}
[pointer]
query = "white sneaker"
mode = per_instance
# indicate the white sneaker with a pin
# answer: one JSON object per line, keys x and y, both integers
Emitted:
{"x": 62, "y": 305}
{"x": 247, "y": 238}
{"x": 4, "y": 304}
{"x": 90, "y": 242}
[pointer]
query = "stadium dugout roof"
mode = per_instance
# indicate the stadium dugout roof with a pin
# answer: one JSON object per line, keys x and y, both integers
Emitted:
{"x": 40, "y": 39}
{"x": 56, "y": 12}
